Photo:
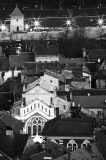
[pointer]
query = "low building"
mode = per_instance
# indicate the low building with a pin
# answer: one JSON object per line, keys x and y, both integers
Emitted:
{"x": 71, "y": 132}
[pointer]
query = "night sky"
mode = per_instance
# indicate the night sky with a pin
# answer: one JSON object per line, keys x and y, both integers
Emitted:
{"x": 8, "y": 4}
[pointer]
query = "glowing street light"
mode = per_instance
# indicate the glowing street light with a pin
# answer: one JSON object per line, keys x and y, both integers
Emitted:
{"x": 36, "y": 23}
{"x": 3, "y": 27}
{"x": 68, "y": 22}
{"x": 100, "y": 21}
{"x": 26, "y": 26}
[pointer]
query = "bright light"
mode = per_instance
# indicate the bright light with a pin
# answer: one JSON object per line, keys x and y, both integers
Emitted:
{"x": 26, "y": 26}
{"x": 36, "y": 23}
{"x": 3, "y": 27}
{"x": 100, "y": 22}
{"x": 68, "y": 22}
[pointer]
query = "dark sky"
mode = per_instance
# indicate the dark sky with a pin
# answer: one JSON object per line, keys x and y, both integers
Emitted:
{"x": 52, "y": 3}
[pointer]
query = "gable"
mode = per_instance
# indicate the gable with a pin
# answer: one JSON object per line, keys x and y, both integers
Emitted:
{"x": 37, "y": 90}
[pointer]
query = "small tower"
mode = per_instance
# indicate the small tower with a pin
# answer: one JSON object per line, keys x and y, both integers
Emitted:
{"x": 16, "y": 20}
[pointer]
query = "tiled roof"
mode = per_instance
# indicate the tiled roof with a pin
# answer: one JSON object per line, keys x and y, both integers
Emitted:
{"x": 13, "y": 145}
{"x": 67, "y": 74}
{"x": 56, "y": 75}
{"x": 51, "y": 66}
{"x": 101, "y": 144}
{"x": 90, "y": 101}
{"x": 77, "y": 61}
{"x": 15, "y": 124}
{"x": 42, "y": 50}
{"x": 40, "y": 156}
{"x": 19, "y": 60}
{"x": 85, "y": 92}
{"x": 96, "y": 54}
{"x": 16, "y": 12}
{"x": 69, "y": 127}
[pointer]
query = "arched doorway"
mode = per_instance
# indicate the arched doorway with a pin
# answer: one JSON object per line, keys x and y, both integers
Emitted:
{"x": 17, "y": 29}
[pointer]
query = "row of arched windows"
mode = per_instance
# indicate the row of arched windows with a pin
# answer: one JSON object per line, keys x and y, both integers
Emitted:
{"x": 73, "y": 145}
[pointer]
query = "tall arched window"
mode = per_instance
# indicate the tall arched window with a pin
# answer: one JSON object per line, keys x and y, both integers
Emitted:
{"x": 72, "y": 145}
{"x": 36, "y": 125}
{"x": 29, "y": 129}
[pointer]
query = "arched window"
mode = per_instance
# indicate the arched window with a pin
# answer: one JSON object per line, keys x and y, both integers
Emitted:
{"x": 85, "y": 143}
{"x": 29, "y": 129}
{"x": 34, "y": 130}
{"x": 36, "y": 125}
{"x": 72, "y": 145}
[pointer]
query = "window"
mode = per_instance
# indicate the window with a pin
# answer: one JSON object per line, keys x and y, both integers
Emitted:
{"x": 51, "y": 100}
{"x": 31, "y": 107}
{"x": 38, "y": 105}
{"x": 29, "y": 130}
{"x": 99, "y": 113}
{"x": 42, "y": 107}
{"x": 24, "y": 111}
{"x": 64, "y": 107}
{"x": 45, "y": 109}
{"x": 35, "y": 105}
{"x": 72, "y": 145}
{"x": 27, "y": 109}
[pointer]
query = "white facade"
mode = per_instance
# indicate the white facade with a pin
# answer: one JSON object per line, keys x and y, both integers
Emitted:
{"x": 41, "y": 94}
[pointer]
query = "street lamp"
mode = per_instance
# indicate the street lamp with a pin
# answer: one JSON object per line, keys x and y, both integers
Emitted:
{"x": 3, "y": 27}
{"x": 36, "y": 23}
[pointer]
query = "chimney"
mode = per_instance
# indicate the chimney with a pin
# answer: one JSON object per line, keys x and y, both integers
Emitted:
{"x": 57, "y": 111}
{"x": 24, "y": 101}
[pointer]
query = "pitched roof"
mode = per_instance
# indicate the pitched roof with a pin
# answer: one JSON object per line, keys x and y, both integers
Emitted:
{"x": 51, "y": 66}
{"x": 4, "y": 156}
{"x": 101, "y": 144}
{"x": 16, "y": 12}
{"x": 15, "y": 124}
{"x": 90, "y": 101}
{"x": 40, "y": 156}
{"x": 86, "y": 92}
{"x": 13, "y": 145}
{"x": 61, "y": 126}
{"x": 19, "y": 60}
{"x": 96, "y": 54}
{"x": 91, "y": 66}
{"x": 56, "y": 75}
{"x": 43, "y": 50}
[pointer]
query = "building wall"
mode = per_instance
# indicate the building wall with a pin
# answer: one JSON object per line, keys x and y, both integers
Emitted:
{"x": 78, "y": 141}
{"x": 53, "y": 80}
{"x": 17, "y": 22}
{"x": 47, "y": 59}
{"x": 47, "y": 98}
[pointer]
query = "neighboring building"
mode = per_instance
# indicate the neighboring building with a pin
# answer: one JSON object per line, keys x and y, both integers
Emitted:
{"x": 71, "y": 132}
{"x": 94, "y": 100}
